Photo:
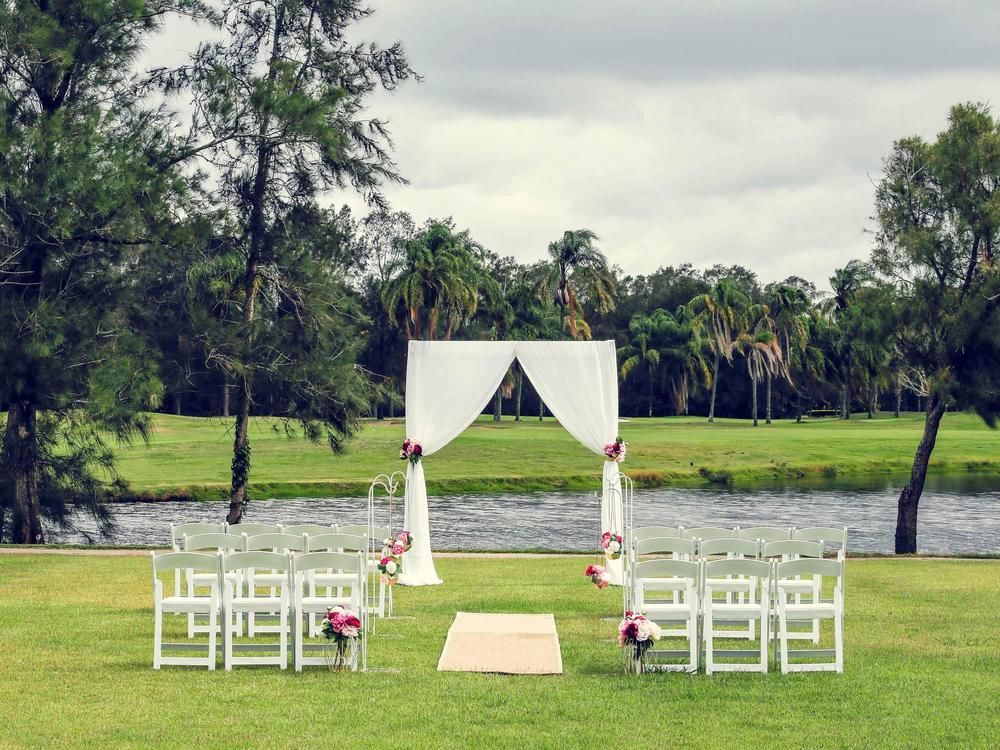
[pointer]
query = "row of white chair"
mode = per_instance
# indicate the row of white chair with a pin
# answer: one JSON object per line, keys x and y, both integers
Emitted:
{"x": 230, "y": 586}
{"x": 687, "y": 593}
{"x": 824, "y": 534}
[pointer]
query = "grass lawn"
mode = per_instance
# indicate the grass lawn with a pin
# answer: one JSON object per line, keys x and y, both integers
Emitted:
{"x": 191, "y": 456}
{"x": 920, "y": 671}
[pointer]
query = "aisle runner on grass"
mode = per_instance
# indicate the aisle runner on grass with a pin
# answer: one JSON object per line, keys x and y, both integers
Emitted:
{"x": 510, "y": 644}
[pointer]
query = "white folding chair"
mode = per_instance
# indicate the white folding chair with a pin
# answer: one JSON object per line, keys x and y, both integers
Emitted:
{"x": 817, "y": 610}
{"x": 379, "y": 534}
{"x": 249, "y": 602}
{"x": 283, "y": 544}
{"x": 307, "y": 528}
{"x": 705, "y": 533}
{"x": 742, "y": 589}
{"x": 766, "y": 533}
{"x": 825, "y": 535}
{"x": 213, "y": 542}
{"x": 332, "y": 579}
{"x": 180, "y": 530}
{"x": 638, "y": 534}
{"x": 656, "y": 578}
{"x": 352, "y": 565}
{"x": 718, "y": 576}
{"x": 184, "y": 602}
{"x": 252, "y": 529}
{"x": 794, "y": 549}
{"x": 674, "y": 547}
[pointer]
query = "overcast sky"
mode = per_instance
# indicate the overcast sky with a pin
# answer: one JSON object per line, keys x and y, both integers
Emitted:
{"x": 703, "y": 131}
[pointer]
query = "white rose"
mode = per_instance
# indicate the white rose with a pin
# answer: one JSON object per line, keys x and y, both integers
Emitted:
{"x": 386, "y": 551}
{"x": 645, "y": 630}
{"x": 614, "y": 546}
{"x": 390, "y": 568}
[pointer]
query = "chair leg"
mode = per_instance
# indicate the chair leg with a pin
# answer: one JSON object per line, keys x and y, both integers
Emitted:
{"x": 838, "y": 625}
{"x": 227, "y": 640}
{"x": 157, "y": 635}
{"x": 212, "y": 622}
{"x": 283, "y": 637}
{"x": 709, "y": 642}
{"x": 764, "y": 635}
{"x": 783, "y": 637}
{"x": 298, "y": 639}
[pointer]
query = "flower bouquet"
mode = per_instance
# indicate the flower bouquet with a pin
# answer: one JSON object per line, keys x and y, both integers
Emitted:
{"x": 616, "y": 451}
{"x": 636, "y": 634}
{"x": 342, "y": 629}
{"x": 612, "y": 544}
{"x": 596, "y": 575}
{"x": 410, "y": 451}
{"x": 405, "y": 538}
{"x": 389, "y": 567}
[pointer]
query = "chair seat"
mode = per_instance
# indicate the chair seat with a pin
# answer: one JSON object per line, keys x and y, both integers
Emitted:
{"x": 667, "y": 611}
{"x": 335, "y": 579}
{"x": 195, "y": 604}
{"x": 741, "y": 611}
{"x": 269, "y": 579}
{"x": 257, "y": 603}
{"x": 817, "y": 611}
{"x": 731, "y": 585}
{"x": 663, "y": 584}
{"x": 320, "y": 603}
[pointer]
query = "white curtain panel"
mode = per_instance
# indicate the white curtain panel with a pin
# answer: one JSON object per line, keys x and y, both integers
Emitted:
{"x": 447, "y": 385}
{"x": 578, "y": 381}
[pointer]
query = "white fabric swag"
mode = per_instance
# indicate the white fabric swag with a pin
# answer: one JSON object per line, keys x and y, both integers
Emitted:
{"x": 448, "y": 383}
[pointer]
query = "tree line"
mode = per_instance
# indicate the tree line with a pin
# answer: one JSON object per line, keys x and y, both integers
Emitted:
{"x": 171, "y": 242}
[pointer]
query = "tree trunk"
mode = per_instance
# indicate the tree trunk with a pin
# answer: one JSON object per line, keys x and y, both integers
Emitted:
{"x": 909, "y": 498}
{"x": 848, "y": 390}
{"x": 241, "y": 457}
{"x": 798, "y": 407}
{"x": 843, "y": 403}
{"x": 177, "y": 404}
{"x": 715, "y": 383}
{"x": 753, "y": 408}
{"x": 20, "y": 450}
{"x": 649, "y": 399}
{"x": 899, "y": 394}
{"x": 225, "y": 396}
{"x": 497, "y": 405}
{"x": 517, "y": 397}
{"x": 767, "y": 419}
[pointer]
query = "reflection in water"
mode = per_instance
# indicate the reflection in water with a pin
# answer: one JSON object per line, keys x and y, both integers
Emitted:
{"x": 957, "y": 515}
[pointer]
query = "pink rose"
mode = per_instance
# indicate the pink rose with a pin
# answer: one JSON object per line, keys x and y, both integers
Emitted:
{"x": 398, "y": 549}
{"x": 383, "y": 561}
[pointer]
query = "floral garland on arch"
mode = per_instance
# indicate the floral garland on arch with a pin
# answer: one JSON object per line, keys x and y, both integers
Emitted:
{"x": 410, "y": 451}
{"x": 390, "y": 565}
{"x": 616, "y": 451}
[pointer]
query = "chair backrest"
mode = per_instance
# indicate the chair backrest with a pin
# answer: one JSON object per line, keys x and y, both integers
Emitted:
{"x": 736, "y": 567}
{"x": 378, "y": 533}
{"x": 766, "y": 533}
{"x": 810, "y": 566}
{"x": 709, "y": 532}
{"x": 651, "y": 532}
{"x": 256, "y": 559}
{"x": 307, "y": 528}
{"x": 345, "y": 561}
{"x": 823, "y": 534}
{"x": 336, "y": 543}
{"x": 199, "y": 561}
{"x": 666, "y": 569}
{"x": 729, "y": 546}
{"x": 792, "y": 548}
{"x": 276, "y": 542}
{"x": 180, "y": 530}
{"x": 214, "y": 541}
{"x": 252, "y": 529}
{"x": 665, "y": 544}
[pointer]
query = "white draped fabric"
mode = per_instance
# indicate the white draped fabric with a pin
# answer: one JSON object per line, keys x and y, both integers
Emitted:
{"x": 449, "y": 382}
{"x": 447, "y": 385}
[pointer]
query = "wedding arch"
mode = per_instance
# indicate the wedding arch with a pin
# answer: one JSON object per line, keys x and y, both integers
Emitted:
{"x": 448, "y": 383}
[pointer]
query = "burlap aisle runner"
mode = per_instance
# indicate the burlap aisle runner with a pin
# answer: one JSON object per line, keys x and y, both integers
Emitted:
{"x": 509, "y": 644}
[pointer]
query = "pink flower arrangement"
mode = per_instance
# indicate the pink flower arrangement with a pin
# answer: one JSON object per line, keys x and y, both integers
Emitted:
{"x": 410, "y": 451}
{"x": 390, "y": 566}
{"x": 636, "y": 634}
{"x": 596, "y": 575}
{"x": 612, "y": 544}
{"x": 405, "y": 538}
{"x": 616, "y": 451}
{"x": 341, "y": 626}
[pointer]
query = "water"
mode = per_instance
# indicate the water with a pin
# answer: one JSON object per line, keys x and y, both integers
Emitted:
{"x": 957, "y": 515}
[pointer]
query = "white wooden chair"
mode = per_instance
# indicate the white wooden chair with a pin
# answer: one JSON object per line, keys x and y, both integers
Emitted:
{"x": 180, "y": 530}
{"x": 185, "y": 602}
{"x": 303, "y": 603}
{"x": 673, "y": 547}
{"x": 657, "y": 578}
{"x": 825, "y": 535}
{"x": 213, "y": 542}
{"x": 766, "y": 533}
{"x": 741, "y": 590}
{"x": 380, "y": 604}
{"x": 638, "y": 534}
{"x": 250, "y": 602}
{"x": 283, "y": 544}
{"x": 307, "y": 528}
{"x": 328, "y": 580}
{"x": 705, "y": 533}
{"x": 718, "y": 576}
{"x": 794, "y": 549}
{"x": 818, "y": 609}
{"x": 252, "y": 529}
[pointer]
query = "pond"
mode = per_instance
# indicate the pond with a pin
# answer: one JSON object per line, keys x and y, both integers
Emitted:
{"x": 957, "y": 514}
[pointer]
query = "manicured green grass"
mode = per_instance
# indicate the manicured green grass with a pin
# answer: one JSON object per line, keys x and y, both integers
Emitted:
{"x": 191, "y": 456}
{"x": 921, "y": 670}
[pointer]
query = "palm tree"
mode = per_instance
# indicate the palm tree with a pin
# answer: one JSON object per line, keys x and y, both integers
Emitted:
{"x": 789, "y": 307}
{"x": 846, "y": 282}
{"x": 437, "y": 284}
{"x": 683, "y": 355}
{"x": 641, "y": 354}
{"x": 577, "y": 265}
{"x": 760, "y": 347}
{"x": 720, "y": 312}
